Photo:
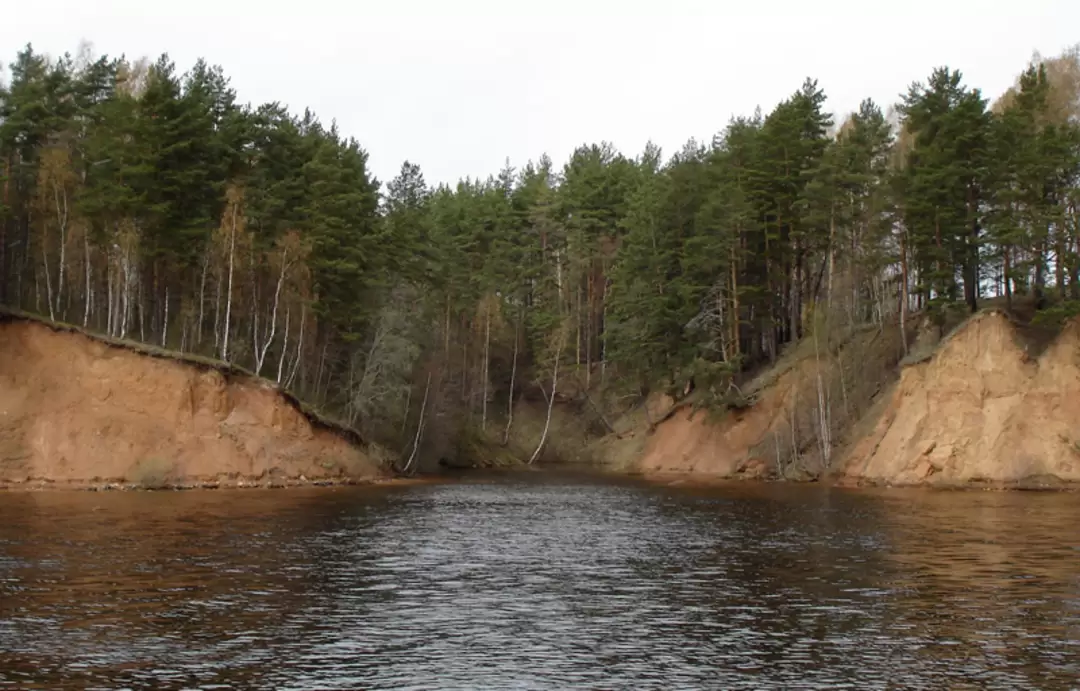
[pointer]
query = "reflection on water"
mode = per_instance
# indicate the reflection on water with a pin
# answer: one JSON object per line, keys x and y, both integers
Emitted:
{"x": 540, "y": 581}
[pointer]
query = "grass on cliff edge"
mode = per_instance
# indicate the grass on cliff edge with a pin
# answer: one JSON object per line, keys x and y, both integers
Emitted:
{"x": 228, "y": 370}
{"x": 1033, "y": 329}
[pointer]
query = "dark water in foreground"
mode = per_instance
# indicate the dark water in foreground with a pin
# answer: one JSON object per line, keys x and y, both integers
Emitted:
{"x": 540, "y": 581}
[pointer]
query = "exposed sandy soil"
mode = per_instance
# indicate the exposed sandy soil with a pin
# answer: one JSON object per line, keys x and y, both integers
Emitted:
{"x": 76, "y": 411}
{"x": 694, "y": 442}
{"x": 776, "y": 435}
{"x": 982, "y": 410}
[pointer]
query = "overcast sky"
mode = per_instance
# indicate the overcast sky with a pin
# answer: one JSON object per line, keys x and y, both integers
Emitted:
{"x": 457, "y": 86}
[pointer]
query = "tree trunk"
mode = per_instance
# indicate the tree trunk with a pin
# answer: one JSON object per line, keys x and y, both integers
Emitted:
{"x": 735, "y": 335}
{"x": 486, "y": 370}
{"x": 299, "y": 349}
{"x": 165, "y": 320}
{"x": 228, "y": 297}
{"x": 217, "y": 311}
{"x": 603, "y": 334}
{"x": 48, "y": 279}
{"x": 109, "y": 295}
{"x": 1059, "y": 263}
{"x": 1040, "y": 275}
{"x": 972, "y": 287}
{"x": 832, "y": 260}
{"x": 446, "y": 333}
{"x": 551, "y": 402}
{"x": 86, "y": 261}
{"x": 62, "y": 219}
{"x": 3, "y": 233}
{"x": 202, "y": 297}
{"x": 577, "y": 329}
{"x": 796, "y": 294}
{"x": 419, "y": 426}
{"x": 405, "y": 415}
{"x": 284, "y": 345}
{"x": 588, "y": 327}
{"x": 260, "y": 355}
{"x": 466, "y": 398}
{"x": 824, "y": 414}
{"x": 513, "y": 382}
{"x": 903, "y": 289}
{"x": 1008, "y": 277}
{"x": 126, "y": 306}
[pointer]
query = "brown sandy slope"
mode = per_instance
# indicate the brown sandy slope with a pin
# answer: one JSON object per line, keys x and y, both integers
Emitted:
{"x": 981, "y": 410}
{"x": 77, "y": 411}
{"x": 735, "y": 445}
{"x": 777, "y": 435}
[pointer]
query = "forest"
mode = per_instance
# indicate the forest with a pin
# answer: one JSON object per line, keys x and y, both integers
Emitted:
{"x": 147, "y": 203}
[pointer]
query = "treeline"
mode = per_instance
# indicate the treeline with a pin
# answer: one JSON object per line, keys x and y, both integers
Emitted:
{"x": 150, "y": 204}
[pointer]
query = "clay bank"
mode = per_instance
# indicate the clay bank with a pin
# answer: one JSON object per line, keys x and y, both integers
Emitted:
{"x": 985, "y": 409}
{"x": 80, "y": 411}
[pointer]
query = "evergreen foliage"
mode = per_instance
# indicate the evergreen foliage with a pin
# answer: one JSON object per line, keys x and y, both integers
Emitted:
{"x": 150, "y": 204}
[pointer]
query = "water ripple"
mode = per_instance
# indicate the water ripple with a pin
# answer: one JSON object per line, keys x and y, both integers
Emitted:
{"x": 538, "y": 582}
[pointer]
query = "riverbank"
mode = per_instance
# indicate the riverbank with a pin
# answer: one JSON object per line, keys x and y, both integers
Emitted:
{"x": 80, "y": 410}
{"x": 990, "y": 406}
{"x": 995, "y": 404}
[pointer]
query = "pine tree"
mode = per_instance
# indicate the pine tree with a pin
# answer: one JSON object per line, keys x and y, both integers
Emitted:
{"x": 945, "y": 185}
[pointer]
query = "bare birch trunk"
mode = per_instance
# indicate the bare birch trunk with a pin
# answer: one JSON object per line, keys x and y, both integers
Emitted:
{"x": 126, "y": 302}
{"x": 217, "y": 313}
{"x": 86, "y": 261}
{"x": 551, "y": 401}
{"x": 832, "y": 260}
{"x": 824, "y": 437}
{"x": 109, "y": 296}
{"x": 260, "y": 356}
{"x": 513, "y": 382}
{"x": 322, "y": 362}
{"x": 299, "y": 349}
{"x": 487, "y": 351}
{"x": 603, "y": 335}
{"x": 577, "y": 328}
{"x": 165, "y": 320}
{"x": 735, "y": 302}
{"x": 48, "y": 280}
{"x": 228, "y": 297}
{"x": 405, "y": 416}
{"x": 284, "y": 345}
{"x": 419, "y": 427}
{"x": 202, "y": 297}
{"x": 62, "y": 217}
{"x": 446, "y": 333}
{"x": 141, "y": 305}
{"x": 794, "y": 425}
{"x": 904, "y": 289}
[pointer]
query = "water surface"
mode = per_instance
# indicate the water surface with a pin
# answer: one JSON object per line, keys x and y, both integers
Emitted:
{"x": 539, "y": 581}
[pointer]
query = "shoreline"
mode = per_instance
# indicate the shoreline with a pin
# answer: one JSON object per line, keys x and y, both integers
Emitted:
{"x": 664, "y": 479}
{"x": 45, "y": 485}
{"x": 668, "y": 479}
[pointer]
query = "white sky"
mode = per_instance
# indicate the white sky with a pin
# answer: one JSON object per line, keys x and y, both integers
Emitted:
{"x": 457, "y": 86}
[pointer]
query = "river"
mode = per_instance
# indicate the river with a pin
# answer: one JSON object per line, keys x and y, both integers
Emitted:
{"x": 540, "y": 581}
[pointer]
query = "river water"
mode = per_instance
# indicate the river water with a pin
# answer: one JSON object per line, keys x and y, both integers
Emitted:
{"x": 540, "y": 581}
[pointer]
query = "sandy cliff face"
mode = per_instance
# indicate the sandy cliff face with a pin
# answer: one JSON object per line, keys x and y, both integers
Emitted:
{"x": 980, "y": 410}
{"x": 983, "y": 410}
{"x": 77, "y": 411}
{"x": 740, "y": 444}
